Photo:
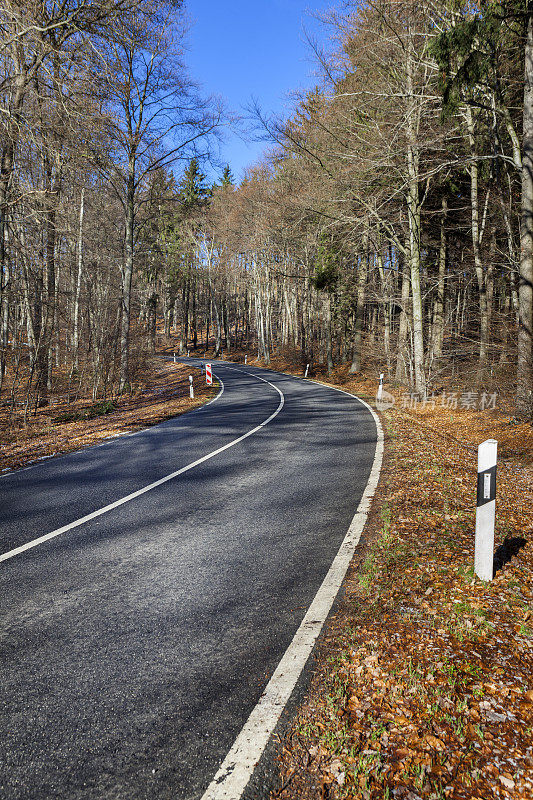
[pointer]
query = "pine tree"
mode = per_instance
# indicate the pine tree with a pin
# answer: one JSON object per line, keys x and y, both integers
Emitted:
{"x": 193, "y": 190}
{"x": 227, "y": 181}
{"x": 227, "y": 177}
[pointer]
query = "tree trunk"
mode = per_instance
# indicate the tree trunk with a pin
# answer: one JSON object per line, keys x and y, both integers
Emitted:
{"x": 438, "y": 322}
{"x": 401, "y": 361}
{"x": 185, "y": 316}
{"x": 152, "y": 320}
{"x": 385, "y": 307}
{"x": 5, "y": 277}
{"x": 327, "y": 328}
{"x": 44, "y": 355}
{"x": 126, "y": 283}
{"x": 476, "y": 246}
{"x": 194, "y": 316}
{"x": 218, "y": 330}
{"x": 6, "y": 173}
{"x": 525, "y": 287}
{"x": 413, "y": 209}
{"x": 360, "y": 307}
{"x": 76, "y": 333}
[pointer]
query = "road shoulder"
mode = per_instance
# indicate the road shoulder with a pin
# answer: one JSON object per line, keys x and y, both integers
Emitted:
{"x": 422, "y": 687}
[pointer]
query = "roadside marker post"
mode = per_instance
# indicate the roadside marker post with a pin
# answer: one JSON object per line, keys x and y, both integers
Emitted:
{"x": 487, "y": 459}
{"x": 380, "y": 388}
{"x": 245, "y": 359}
{"x": 306, "y": 371}
{"x": 191, "y": 388}
{"x": 208, "y": 375}
{"x": 174, "y": 358}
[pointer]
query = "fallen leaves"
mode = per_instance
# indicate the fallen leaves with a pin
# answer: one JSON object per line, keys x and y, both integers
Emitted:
{"x": 432, "y": 743}
{"x": 164, "y": 393}
{"x": 430, "y": 667}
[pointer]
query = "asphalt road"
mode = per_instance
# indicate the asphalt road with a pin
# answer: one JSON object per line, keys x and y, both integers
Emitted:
{"x": 134, "y": 646}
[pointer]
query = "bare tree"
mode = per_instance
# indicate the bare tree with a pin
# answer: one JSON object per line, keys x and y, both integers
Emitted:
{"x": 154, "y": 117}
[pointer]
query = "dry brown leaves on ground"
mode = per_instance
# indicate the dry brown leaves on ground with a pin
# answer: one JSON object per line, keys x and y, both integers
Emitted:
{"x": 165, "y": 394}
{"x": 423, "y": 687}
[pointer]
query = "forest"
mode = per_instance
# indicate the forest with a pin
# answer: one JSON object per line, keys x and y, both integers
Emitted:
{"x": 388, "y": 228}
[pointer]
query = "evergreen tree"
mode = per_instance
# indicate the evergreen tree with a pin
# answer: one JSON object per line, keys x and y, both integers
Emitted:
{"x": 227, "y": 177}
{"x": 192, "y": 188}
{"x": 227, "y": 180}
{"x": 326, "y": 273}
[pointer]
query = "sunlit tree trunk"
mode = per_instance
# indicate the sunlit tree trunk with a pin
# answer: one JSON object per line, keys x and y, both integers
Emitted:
{"x": 76, "y": 312}
{"x": 362, "y": 275}
{"x": 525, "y": 288}
{"x": 413, "y": 210}
{"x": 476, "y": 244}
{"x": 126, "y": 280}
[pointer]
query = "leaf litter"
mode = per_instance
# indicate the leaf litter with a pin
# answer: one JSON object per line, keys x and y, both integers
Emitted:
{"x": 422, "y": 686}
{"x": 64, "y": 427}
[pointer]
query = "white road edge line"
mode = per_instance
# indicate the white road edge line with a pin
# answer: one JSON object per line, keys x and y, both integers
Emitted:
{"x": 237, "y": 768}
{"x": 139, "y": 492}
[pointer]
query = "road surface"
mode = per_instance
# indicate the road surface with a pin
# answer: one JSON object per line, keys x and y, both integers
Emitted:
{"x": 135, "y": 644}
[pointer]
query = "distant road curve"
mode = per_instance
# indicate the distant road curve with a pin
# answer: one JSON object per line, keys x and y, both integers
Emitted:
{"x": 161, "y": 592}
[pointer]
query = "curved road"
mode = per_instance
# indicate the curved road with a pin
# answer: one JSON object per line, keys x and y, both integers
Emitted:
{"x": 134, "y": 645}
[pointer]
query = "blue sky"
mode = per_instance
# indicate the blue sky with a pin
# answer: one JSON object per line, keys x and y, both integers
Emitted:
{"x": 242, "y": 50}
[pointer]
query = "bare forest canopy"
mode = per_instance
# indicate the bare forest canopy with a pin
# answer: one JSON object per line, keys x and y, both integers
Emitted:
{"x": 390, "y": 226}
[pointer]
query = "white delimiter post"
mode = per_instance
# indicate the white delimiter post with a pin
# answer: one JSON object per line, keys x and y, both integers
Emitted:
{"x": 380, "y": 388}
{"x": 245, "y": 359}
{"x": 487, "y": 458}
{"x": 306, "y": 371}
{"x": 191, "y": 388}
{"x": 174, "y": 358}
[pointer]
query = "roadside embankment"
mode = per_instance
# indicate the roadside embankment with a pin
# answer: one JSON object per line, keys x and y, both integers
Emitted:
{"x": 64, "y": 427}
{"x": 423, "y": 682}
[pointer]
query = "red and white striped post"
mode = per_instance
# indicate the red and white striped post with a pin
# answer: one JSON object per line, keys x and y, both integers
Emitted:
{"x": 208, "y": 375}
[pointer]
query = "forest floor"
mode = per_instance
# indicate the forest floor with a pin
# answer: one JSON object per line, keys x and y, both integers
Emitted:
{"x": 162, "y": 391}
{"x": 422, "y": 685}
